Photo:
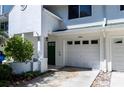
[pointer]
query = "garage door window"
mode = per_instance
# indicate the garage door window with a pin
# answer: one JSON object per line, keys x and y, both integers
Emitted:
{"x": 94, "y": 41}
{"x": 85, "y": 42}
{"x": 69, "y": 42}
{"x": 77, "y": 42}
{"x": 118, "y": 41}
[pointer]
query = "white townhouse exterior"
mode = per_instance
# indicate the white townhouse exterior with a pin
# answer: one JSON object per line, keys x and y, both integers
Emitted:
{"x": 88, "y": 36}
{"x": 4, "y": 10}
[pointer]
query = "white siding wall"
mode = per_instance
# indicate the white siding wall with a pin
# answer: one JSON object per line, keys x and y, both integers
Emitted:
{"x": 114, "y": 14}
{"x": 25, "y": 21}
{"x": 50, "y": 23}
{"x": 99, "y": 12}
{"x": 62, "y": 11}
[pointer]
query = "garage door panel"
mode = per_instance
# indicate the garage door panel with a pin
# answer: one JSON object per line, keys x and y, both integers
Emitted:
{"x": 87, "y": 56}
{"x": 117, "y": 55}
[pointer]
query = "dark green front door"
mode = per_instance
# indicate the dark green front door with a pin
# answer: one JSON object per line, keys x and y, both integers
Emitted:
{"x": 51, "y": 53}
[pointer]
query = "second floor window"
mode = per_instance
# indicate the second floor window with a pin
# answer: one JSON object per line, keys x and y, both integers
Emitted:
{"x": 121, "y": 7}
{"x": 77, "y": 11}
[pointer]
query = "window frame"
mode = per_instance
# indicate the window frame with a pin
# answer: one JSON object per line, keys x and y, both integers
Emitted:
{"x": 77, "y": 43}
{"x": 120, "y": 8}
{"x": 69, "y": 12}
{"x": 85, "y": 43}
{"x": 116, "y": 40}
{"x": 95, "y": 43}
{"x": 85, "y": 16}
{"x": 68, "y": 42}
{"x": 79, "y": 13}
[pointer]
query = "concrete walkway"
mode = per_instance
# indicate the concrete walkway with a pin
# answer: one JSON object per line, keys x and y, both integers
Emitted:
{"x": 84, "y": 79}
{"x": 117, "y": 79}
{"x": 65, "y": 77}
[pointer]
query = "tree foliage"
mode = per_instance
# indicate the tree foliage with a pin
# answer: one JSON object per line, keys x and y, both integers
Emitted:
{"x": 20, "y": 50}
{"x": 3, "y": 37}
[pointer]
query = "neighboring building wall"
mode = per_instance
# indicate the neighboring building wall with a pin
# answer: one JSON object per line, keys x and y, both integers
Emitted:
{"x": 0, "y": 9}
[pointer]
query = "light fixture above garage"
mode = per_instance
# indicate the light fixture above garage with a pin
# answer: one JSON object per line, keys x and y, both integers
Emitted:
{"x": 80, "y": 36}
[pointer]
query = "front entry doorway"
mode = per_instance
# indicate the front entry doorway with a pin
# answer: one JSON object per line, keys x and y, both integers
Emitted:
{"x": 51, "y": 53}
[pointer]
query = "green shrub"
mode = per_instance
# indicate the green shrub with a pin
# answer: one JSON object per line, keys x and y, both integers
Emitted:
{"x": 4, "y": 83}
{"x": 20, "y": 50}
{"x": 5, "y": 72}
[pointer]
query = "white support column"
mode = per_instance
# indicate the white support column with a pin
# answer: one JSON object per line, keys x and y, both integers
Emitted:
{"x": 23, "y": 36}
{"x": 108, "y": 53}
{"x": 38, "y": 46}
{"x": 64, "y": 52}
{"x": 42, "y": 59}
{"x": 102, "y": 53}
{"x": 41, "y": 47}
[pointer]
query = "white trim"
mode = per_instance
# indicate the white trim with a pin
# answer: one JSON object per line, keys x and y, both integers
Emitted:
{"x": 115, "y": 21}
{"x": 45, "y": 10}
{"x": 78, "y": 31}
{"x": 110, "y": 53}
{"x": 64, "y": 52}
{"x": 102, "y": 53}
{"x": 99, "y": 23}
{"x": 90, "y": 29}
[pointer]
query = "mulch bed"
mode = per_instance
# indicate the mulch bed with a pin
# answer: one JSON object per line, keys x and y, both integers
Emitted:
{"x": 21, "y": 78}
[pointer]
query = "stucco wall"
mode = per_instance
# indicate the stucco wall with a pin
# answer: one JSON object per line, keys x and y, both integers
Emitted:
{"x": 50, "y": 23}
{"x": 25, "y": 21}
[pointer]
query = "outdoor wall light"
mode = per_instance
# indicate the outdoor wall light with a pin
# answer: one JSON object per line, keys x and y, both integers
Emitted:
{"x": 80, "y": 36}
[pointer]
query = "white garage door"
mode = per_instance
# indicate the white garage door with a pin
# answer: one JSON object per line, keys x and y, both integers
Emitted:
{"x": 83, "y": 53}
{"x": 118, "y": 54}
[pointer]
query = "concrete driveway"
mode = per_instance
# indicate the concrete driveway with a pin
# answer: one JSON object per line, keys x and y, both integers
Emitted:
{"x": 65, "y": 77}
{"x": 117, "y": 79}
